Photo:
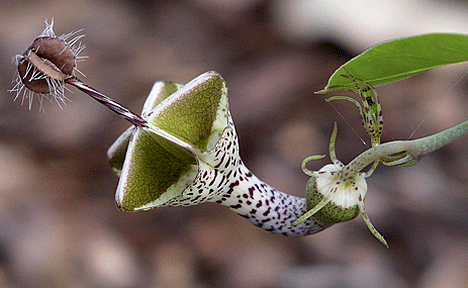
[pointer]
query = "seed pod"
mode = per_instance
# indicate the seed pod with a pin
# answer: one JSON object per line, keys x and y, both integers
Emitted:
{"x": 46, "y": 58}
{"x": 46, "y": 64}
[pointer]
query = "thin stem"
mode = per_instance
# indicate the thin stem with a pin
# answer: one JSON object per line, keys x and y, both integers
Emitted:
{"x": 405, "y": 153}
{"x": 130, "y": 116}
{"x": 431, "y": 143}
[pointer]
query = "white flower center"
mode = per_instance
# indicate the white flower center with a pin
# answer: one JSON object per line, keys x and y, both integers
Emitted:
{"x": 348, "y": 190}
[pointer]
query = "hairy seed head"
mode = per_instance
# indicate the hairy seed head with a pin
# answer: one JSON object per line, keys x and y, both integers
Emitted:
{"x": 45, "y": 65}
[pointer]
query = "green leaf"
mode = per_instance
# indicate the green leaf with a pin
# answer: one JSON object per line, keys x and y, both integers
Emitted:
{"x": 398, "y": 59}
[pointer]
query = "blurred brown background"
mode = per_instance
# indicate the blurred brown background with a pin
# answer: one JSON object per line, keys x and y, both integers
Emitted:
{"x": 59, "y": 226}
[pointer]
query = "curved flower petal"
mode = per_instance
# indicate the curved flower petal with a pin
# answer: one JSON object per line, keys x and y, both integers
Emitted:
{"x": 154, "y": 170}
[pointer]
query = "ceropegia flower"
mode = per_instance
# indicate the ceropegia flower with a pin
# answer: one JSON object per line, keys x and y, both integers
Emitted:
{"x": 183, "y": 149}
{"x": 200, "y": 163}
{"x": 46, "y": 64}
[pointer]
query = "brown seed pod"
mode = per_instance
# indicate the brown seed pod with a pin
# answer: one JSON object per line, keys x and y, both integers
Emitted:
{"x": 46, "y": 58}
{"x": 45, "y": 65}
{"x": 49, "y": 63}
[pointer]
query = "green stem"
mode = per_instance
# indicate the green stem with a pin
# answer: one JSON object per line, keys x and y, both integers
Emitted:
{"x": 405, "y": 153}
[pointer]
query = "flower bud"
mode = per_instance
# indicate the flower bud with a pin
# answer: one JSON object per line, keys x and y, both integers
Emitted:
{"x": 336, "y": 192}
{"x": 343, "y": 195}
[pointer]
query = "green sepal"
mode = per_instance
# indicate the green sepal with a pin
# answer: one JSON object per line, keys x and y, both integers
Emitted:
{"x": 330, "y": 212}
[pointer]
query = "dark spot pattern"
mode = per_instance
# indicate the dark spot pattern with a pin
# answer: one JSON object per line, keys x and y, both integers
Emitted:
{"x": 224, "y": 179}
